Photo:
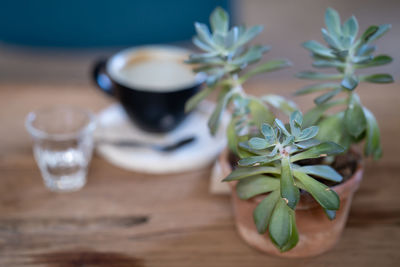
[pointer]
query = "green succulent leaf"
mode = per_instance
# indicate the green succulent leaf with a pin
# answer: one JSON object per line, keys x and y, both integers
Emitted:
{"x": 323, "y": 171}
{"x": 219, "y": 20}
{"x": 262, "y": 213}
{"x": 280, "y": 224}
{"x": 268, "y": 131}
{"x": 243, "y": 152}
{"x": 308, "y": 143}
{"x": 294, "y": 235}
{"x": 244, "y": 172}
{"x": 331, "y": 129}
{"x": 202, "y": 45}
{"x": 317, "y": 87}
{"x": 296, "y": 119}
{"x": 350, "y": 28}
{"x": 210, "y": 57}
{"x": 322, "y": 150}
{"x": 282, "y": 127}
{"x": 255, "y": 185}
{"x": 269, "y": 66}
{"x": 331, "y": 40}
{"x": 203, "y": 34}
{"x": 232, "y": 37}
{"x": 341, "y": 54}
{"x": 289, "y": 192}
{"x": 322, "y": 63}
{"x": 274, "y": 152}
{"x": 377, "y": 78}
{"x": 365, "y": 50}
{"x": 376, "y": 61}
{"x": 253, "y": 54}
{"x": 308, "y": 133}
{"x": 327, "y": 96}
{"x": 346, "y": 42}
{"x": 318, "y": 75}
{"x": 374, "y": 32}
{"x": 347, "y": 54}
{"x": 354, "y": 118}
{"x": 372, "y": 144}
{"x": 219, "y": 40}
{"x": 232, "y": 136}
{"x": 324, "y": 195}
{"x": 287, "y": 140}
{"x": 332, "y": 22}
{"x": 318, "y": 49}
{"x": 260, "y": 113}
{"x": 362, "y": 59}
{"x": 253, "y": 152}
{"x": 250, "y": 161}
{"x": 370, "y": 31}
{"x": 216, "y": 116}
{"x": 249, "y": 35}
{"x": 258, "y": 143}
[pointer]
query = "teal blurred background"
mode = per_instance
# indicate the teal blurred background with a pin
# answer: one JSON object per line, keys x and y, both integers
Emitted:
{"x": 57, "y": 41}
{"x": 99, "y": 23}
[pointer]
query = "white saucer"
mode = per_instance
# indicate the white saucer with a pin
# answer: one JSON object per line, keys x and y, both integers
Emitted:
{"x": 114, "y": 124}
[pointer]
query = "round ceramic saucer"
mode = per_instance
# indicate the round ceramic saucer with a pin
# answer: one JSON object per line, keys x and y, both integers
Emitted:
{"x": 114, "y": 124}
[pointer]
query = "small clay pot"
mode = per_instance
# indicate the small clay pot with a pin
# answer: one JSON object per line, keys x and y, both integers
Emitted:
{"x": 317, "y": 234}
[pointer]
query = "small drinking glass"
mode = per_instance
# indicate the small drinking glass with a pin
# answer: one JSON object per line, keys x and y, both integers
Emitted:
{"x": 63, "y": 145}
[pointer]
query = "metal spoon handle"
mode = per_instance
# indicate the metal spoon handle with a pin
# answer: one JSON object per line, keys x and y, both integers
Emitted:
{"x": 135, "y": 143}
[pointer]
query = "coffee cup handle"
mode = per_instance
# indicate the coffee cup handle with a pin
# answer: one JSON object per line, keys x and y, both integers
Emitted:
{"x": 101, "y": 77}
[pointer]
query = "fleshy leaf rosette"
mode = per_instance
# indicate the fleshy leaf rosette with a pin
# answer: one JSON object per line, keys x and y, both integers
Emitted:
{"x": 347, "y": 54}
{"x": 225, "y": 57}
{"x": 271, "y": 169}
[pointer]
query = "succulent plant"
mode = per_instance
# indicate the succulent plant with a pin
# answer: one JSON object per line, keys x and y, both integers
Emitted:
{"x": 275, "y": 159}
{"x": 225, "y": 56}
{"x": 347, "y": 55}
{"x": 271, "y": 168}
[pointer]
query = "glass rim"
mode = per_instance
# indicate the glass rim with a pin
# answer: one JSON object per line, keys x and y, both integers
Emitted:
{"x": 40, "y": 134}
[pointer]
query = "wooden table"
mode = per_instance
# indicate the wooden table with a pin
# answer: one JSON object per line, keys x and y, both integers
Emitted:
{"x": 123, "y": 218}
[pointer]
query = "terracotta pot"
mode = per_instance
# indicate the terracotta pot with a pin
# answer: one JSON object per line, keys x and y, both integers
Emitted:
{"x": 317, "y": 233}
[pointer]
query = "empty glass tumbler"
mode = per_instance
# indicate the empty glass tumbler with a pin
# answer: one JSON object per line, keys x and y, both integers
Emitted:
{"x": 63, "y": 145}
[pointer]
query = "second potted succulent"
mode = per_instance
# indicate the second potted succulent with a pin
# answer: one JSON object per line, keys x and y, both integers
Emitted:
{"x": 292, "y": 184}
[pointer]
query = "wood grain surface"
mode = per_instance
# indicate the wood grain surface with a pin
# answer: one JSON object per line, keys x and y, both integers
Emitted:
{"x": 123, "y": 218}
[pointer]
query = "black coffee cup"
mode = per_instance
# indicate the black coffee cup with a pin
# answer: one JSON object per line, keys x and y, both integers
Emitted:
{"x": 151, "y": 82}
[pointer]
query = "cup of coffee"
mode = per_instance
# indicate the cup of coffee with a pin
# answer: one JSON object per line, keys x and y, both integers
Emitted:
{"x": 152, "y": 83}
